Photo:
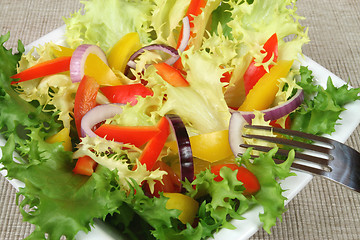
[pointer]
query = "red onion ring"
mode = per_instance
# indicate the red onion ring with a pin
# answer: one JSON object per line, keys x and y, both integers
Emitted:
{"x": 236, "y": 125}
{"x": 183, "y": 142}
{"x": 185, "y": 34}
{"x": 280, "y": 110}
{"x": 161, "y": 47}
{"x": 78, "y": 59}
{"x": 97, "y": 115}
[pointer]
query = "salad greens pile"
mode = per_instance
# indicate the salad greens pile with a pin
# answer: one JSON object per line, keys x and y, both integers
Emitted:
{"x": 229, "y": 35}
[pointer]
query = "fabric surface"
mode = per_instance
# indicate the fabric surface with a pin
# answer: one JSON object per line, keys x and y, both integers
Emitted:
{"x": 323, "y": 209}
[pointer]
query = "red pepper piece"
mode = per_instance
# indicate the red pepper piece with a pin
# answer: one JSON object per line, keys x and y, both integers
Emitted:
{"x": 85, "y": 99}
{"x": 249, "y": 180}
{"x": 135, "y": 135}
{"x": 154, "y": 147}
{"x": 85, "y": 166}
{"x": 126, "y": 93}
{"x": 195, "y": 9}
{"x": 171, "y": 75}
{"x": 57, "y": 65}
{"x": 254, "y": 73}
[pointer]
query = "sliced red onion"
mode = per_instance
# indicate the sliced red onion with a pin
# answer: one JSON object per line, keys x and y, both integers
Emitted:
{"x": 236, "y": 125}
{"x": 78, "y": 59}
{"x": 185, "y": 34}
{"x": 280, "y": 110}
{"x": 161, "y": 47}
{"x": 183, "y": 142}
{"x": 97, "y": 115}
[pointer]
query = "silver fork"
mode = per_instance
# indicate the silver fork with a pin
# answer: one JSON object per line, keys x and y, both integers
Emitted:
{"x": 334, "y": 160}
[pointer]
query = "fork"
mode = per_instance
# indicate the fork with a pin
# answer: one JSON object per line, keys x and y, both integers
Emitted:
{"x": 334, "y": 160}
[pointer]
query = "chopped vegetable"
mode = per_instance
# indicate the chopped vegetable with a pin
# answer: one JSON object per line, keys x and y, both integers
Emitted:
{"x": 254, "y": 72}
{"x": 62, "y": 137}
{"x": 278, "y": 111}
{"x": 85, "y": 99}
{"x": 85, "y": 166}
{"x": 56, "y": 65}
{"x": 249, "y": 180}
{"x": 171, "y": 75}
{"x": 210, "y": 147}
{"x": 263, "y": 93}
{"x": 98, "y": 69}
{"x": 122, "y": 50}
{"x": 154, "y": 147}
{"x": 96, "y": 115}
{"x": 136, "y": 135}
{"x": 187, "y": 205}
{"x": 126, "y": 93}
{"x": 183, "y": 147}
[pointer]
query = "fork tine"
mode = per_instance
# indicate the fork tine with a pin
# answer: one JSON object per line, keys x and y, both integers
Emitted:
{"x": 289, "y": 142}
{"x": 284, "y": 152}
{"x": 292, "y": 132}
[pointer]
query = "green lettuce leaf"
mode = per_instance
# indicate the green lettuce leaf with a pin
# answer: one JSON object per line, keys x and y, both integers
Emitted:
{"x": 104, "y": 24}
{"x": 58, "y": 201}
{"x": 270, "y": 194}
{"x": 318, "y": 114}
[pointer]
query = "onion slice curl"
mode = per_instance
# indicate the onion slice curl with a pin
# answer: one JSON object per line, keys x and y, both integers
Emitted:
{"x": 97, "y": 115}
{"x": 78, "y": 59}
{"x": 278, "y": 111}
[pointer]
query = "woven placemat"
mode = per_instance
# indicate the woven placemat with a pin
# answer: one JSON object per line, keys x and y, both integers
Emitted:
{"x": 322, "y": 210}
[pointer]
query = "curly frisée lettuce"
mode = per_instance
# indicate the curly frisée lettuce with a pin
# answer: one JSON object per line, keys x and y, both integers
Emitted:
{"x": 322, "y": 107}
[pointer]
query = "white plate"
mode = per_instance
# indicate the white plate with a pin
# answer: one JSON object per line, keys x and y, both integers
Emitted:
{"x": 245, "y": 228}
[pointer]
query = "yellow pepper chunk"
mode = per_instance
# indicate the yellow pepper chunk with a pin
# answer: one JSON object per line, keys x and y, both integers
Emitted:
{"x": 63, "y": 52}
{"x": 187, "y": 205}
{"x": 62, "y": 136}
{"x": 210, "y": 147}
{"x": 263, "y": 93}
{"x": 122, "y": 50}
{"x": 100, "y": 71}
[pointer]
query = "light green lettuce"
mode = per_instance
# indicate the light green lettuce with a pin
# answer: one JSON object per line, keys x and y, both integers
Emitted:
{"x": 104, "y": 24}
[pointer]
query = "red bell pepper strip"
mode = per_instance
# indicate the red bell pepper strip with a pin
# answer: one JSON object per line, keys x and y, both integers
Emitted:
{"x": 126, "y": 93}
{"x": 135, "y": 135}
{"x": 154, "y": 147}
{"x": 194, "y": 9}
{"x": 85, "y": 166}
{"x": 85, "y": 99}
{"x": 254, "y": 73}
{"x": 57, "y": 65}
{"x": 171, "y": 75}
{"x": 249, "y": 180}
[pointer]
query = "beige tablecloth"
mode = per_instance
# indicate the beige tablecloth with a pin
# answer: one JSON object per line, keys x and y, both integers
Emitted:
{"x": 323, "y": 210}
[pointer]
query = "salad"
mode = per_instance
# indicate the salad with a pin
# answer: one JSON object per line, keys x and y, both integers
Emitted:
{"x": 129, "y": 122}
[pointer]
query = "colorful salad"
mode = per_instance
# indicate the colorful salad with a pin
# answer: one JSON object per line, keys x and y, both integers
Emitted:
{"x": 137, "y": 119}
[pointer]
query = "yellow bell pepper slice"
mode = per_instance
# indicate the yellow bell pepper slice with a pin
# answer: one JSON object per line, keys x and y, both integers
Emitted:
{"x": 122, "y": 50}
{"x": 63, "y": 51}
{"x": 262, "y": 95}
{"x": 94, "y": 67}
{"x": 100, "y": 71}
{"x": 187, "y": 205}
{"x": 210, "y": 147}
{"x": 62, "y": 136}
